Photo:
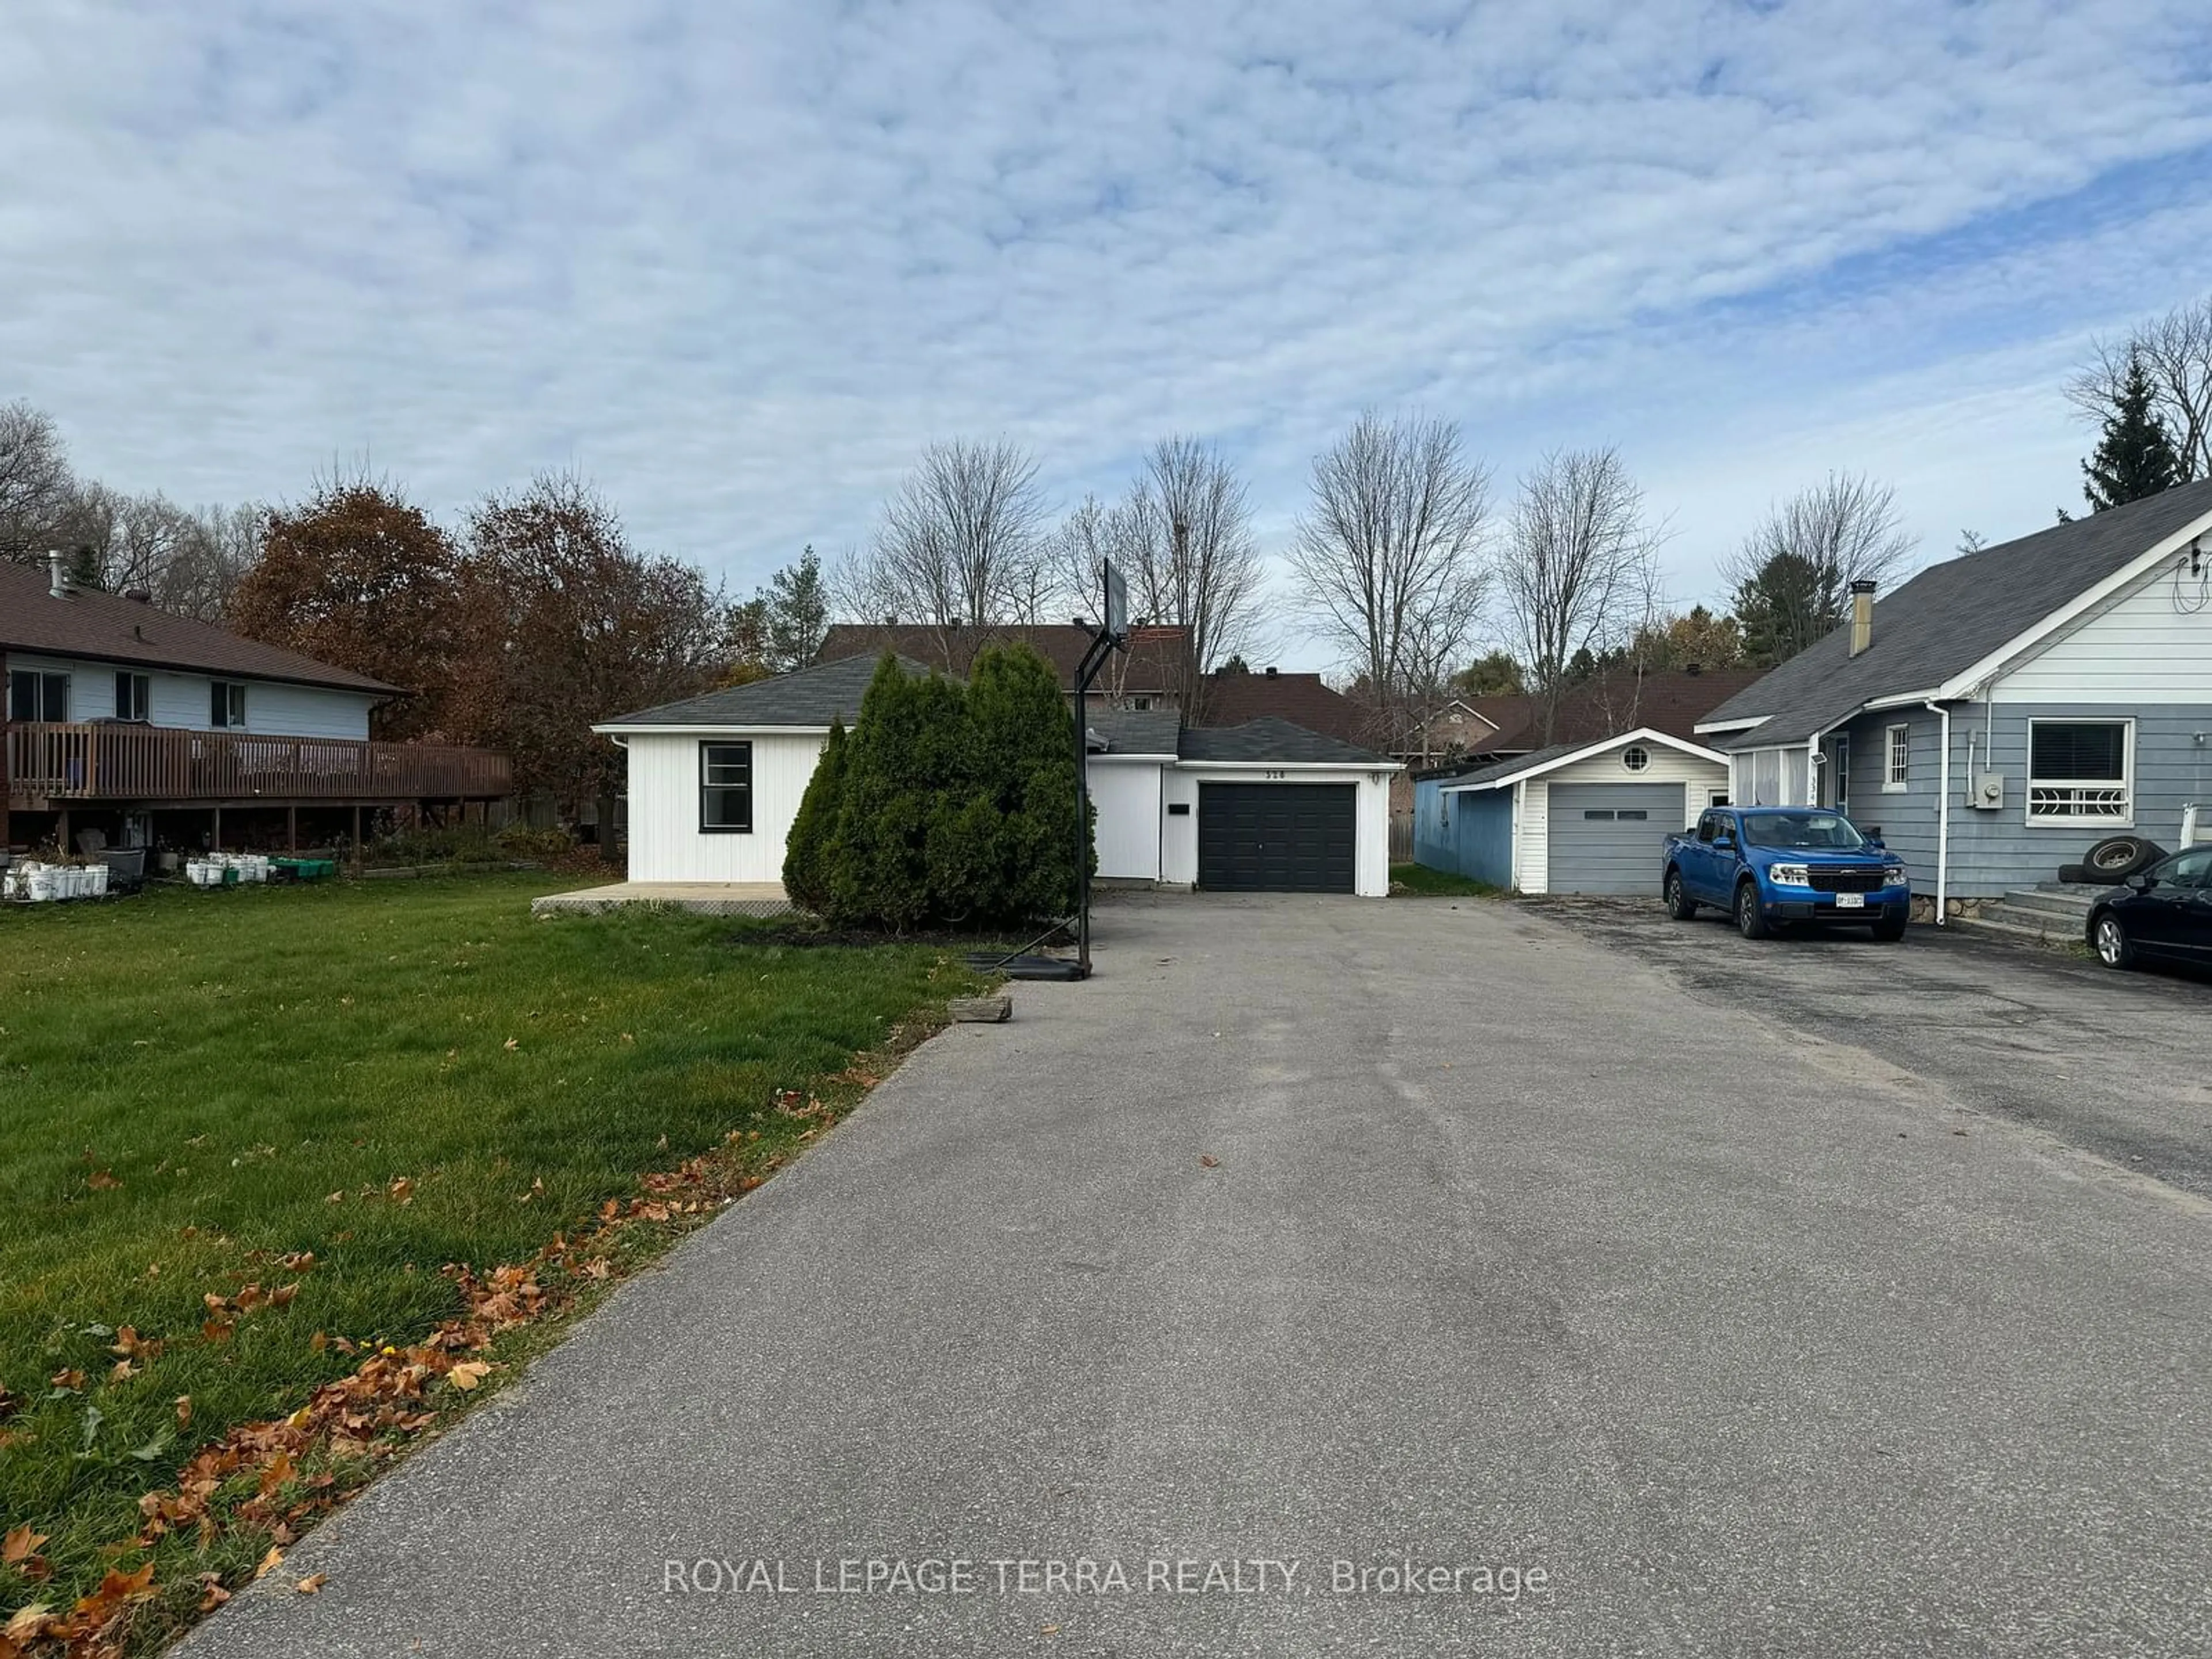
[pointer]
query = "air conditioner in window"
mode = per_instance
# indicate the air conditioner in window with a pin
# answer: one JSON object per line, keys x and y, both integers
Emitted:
{"x": 1987, "y": 793}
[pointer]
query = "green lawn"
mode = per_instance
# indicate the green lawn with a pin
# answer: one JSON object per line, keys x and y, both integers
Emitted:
{"x": 390, "y": 1076}
{"x": 1419, "y": 878}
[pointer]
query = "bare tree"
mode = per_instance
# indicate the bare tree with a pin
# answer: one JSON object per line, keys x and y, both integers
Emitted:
{"x": 1388, "y": 560}
{"x": 962, "y": 543}
{"x": 1198, "y": 565}
{"x": 2175, "y": 351}
{"x": 1793, "y": 574}
{"x": 1580, "y": 581}
{"x": 35, "y": 483}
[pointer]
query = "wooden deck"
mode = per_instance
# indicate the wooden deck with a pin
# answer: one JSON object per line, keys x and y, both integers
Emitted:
{"x": 51, "y": 766}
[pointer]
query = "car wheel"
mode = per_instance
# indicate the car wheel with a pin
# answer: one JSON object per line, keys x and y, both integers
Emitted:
{"x": 1750, "y": 919}
{"x": 2117, "y": 857}
{"x": 2108, "y": 937}
{"x": 1679, "y": 904}
{"x": 1889, "y": 931}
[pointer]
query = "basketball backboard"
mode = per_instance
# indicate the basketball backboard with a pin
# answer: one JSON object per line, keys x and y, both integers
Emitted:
{"x": 1117, "y": 605}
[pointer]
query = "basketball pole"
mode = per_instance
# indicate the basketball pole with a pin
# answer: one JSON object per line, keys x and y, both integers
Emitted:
{"x": 1105, "y": 641}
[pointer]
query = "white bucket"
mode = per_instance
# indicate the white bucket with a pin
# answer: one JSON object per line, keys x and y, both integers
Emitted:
{"x": 40, "y": 881}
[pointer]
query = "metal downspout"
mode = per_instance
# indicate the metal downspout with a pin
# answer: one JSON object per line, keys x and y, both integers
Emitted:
{"x": 1943, "y": 819}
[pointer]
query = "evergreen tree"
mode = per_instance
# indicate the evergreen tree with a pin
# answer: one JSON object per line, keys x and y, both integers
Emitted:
{"x": 1024, "y": 738}
{"x": 805, "y": 854}
{"x": 1783, "y": 609}
{"x": 907, "y": 751}
{"x": 798, "y": 613}
{"x": 2134, "y": 457}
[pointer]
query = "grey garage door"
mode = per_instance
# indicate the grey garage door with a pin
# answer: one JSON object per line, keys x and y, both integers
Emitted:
{"x": 1276, "y": 837}
{"x": 1605, "y": 837}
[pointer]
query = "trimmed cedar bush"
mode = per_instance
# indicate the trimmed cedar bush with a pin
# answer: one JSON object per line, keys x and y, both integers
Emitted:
{"x": 946, "y": 804}
{"x": 806, "y": 869}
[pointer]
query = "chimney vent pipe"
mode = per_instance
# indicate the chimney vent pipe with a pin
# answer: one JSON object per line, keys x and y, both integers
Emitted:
{"x": 1861, "y": 614}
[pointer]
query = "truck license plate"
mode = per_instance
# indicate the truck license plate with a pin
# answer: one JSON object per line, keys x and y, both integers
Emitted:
{"x": 1850, "y": 901}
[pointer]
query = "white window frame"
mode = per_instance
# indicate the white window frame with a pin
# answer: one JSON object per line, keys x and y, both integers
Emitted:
{"x": 1641, "y": 765}
{"x": 2124, "y": 786}
{"x": 1896, "y": 745}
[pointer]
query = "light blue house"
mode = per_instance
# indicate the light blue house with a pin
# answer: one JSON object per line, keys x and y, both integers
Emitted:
{"x": 2002, "y": 711}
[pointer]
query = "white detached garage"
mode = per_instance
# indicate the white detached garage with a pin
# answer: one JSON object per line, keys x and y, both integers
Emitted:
{"x": 1573, "y": 818}
{"x": 715, "y": 783}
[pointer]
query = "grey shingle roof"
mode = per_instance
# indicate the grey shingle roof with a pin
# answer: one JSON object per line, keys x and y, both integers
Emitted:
{"x": 1519, "y": 763}
{"x": 1273, "y": 739}
{"x": 810, "y": 697}
{"x": 1133, "y": 730}
{"x": 1951, "y": 616}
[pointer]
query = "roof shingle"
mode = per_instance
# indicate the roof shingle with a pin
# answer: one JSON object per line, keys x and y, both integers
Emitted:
{"x": 109, "y": 628}
{"x": 1951, "y": 616}
{"x": 812, "y": 697}
{"x": 1273, "y": 738}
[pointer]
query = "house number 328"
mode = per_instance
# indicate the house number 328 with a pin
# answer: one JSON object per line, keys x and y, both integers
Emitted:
{"x": 1274, "y": 777}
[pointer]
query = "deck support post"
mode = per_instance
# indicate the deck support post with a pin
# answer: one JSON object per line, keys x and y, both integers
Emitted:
{"x": 292, "y": 828}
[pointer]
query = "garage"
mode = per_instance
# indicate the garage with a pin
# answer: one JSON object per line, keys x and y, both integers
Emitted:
{"x": 1277, "y": 837}
{"x": 1606, "y": 836}
{"x": 1584, "y": 817}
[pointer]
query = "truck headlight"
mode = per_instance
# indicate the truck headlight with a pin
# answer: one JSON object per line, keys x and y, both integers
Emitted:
{"x": 1789, "y": 875}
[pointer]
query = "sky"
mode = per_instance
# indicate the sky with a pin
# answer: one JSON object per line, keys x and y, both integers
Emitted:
{"x": 739, "y": 263}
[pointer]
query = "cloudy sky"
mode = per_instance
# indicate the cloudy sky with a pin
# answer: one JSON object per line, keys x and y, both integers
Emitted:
{"x": 737, "y": 262}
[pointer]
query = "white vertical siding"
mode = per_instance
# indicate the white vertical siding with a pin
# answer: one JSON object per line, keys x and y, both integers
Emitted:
{"x": 1126, "y": 793}
{"x": 273, "y": 708}
{"x": 665, "y": 841}
{"x": 2153, "y": 646}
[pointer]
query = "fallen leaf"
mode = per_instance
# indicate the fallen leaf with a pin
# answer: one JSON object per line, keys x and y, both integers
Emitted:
{"x": 334, "y": 1197}
{"x": 283, "y": 1294}
{"x": 69, "y": 1380}
{"x": 311, "y": 1583}
{"x": 19, "y": 1544}
{"x": 317, "y": 1342}
{"x": 270, "y": 1561}
{"x": 101, "y": 1180}
{"x": 510, "y": 1045}
{"x": 27, "y": 1624}
{"x": 218, "y": 1330}
{"x": 466, "y": 1376}
{"x": 183, "y": 1410}
{"x": 403, "y": 1191}
{"x": 122, "y": 1371}
{"x": 298, "y": 1261}
{"x": 1206, "y": 1160}
{"x": 212, "y": 1593}
{"x": 276, "y": 1473}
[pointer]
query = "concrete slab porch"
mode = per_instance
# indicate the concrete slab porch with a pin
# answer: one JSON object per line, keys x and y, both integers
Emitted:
{"x": 707, "y": 898}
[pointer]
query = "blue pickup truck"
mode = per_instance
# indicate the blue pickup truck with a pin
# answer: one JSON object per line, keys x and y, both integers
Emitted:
{"x": 1767, "y": 865}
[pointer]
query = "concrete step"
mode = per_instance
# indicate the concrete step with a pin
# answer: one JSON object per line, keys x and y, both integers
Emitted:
{"x": 2068, "y": 925}
{"x": 2066, "y": 905}
{"x": 1992, "y": 921}
{"x": 2085, "y": 891}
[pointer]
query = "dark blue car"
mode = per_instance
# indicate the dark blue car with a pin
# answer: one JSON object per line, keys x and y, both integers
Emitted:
{"x": 1769, "y": 865}
{"x": 2163, "y": 914}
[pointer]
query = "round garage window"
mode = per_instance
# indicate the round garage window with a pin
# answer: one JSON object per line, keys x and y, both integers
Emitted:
{"x": 1636, "y": 757}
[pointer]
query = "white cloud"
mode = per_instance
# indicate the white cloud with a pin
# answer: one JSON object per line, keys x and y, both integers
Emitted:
{"x": 740, "y": 262}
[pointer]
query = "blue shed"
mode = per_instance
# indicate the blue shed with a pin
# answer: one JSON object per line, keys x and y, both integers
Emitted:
{"x": 1467, "y": 834}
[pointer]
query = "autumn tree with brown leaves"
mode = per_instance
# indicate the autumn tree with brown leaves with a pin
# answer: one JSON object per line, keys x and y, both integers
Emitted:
{"x": 362, "y": 577}
{"x": 570, "y": 625}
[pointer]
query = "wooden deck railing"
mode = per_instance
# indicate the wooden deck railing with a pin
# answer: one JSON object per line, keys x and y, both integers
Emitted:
{"x": 55, "y": 763}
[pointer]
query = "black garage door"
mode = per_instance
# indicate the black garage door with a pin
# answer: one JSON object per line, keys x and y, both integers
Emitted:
{"x": 1276, "y": 837}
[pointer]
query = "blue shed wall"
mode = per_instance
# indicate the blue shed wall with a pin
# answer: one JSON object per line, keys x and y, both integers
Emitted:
{"x": 1467, "y": 834}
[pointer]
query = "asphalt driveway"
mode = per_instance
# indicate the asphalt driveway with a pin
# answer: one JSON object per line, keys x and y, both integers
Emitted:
{"x": 2118, "y": 1064}
{"x": 1323, "y": 1237}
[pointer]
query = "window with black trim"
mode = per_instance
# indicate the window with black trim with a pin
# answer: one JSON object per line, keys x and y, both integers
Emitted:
{"x": 134, "y": 696}
{"x": 726, "y": 788}
{"x": 226, "y": 704}
{"x": 34, "y": 696}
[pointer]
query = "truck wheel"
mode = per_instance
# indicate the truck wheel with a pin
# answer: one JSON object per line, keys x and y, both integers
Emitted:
{"x": 1750, "y": 919}
{"x": 2117, "y": 857}
{"x": 1679, "y": 904}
